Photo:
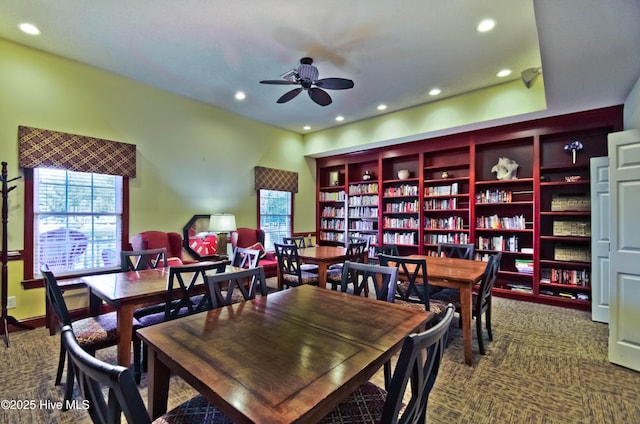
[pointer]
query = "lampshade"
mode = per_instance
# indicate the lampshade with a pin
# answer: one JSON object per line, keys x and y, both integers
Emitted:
{"x": 222, "y": 223}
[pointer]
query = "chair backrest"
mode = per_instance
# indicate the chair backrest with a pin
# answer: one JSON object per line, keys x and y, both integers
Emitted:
{"x": 54, "y": 296}
{"x": 383, "y": 278}
{"x": 387, "y": 249}
{"x": 157, "y": 239}
{"x": 288, "y": 259}
{"x": 417, "y": 366}
{"x": 137, "y": 260}
{"x": 245, "y": 258}
{"x": 455, "y": 250}
{"x": 413, "y": 271}
{"x": 93, "y": 375}
{"x": 483, "y": 300}
{"x": 355, "y": 251}
{"x": 297, "y": 240}
{"x": 183, "y": 280}
{"x": 245, "y": 281}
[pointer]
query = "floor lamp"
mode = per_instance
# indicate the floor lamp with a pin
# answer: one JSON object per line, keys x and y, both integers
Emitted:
{"x": 222, "y": 224}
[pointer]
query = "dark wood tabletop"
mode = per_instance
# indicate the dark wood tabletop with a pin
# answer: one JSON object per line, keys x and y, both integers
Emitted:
{"x": 288, "y": 357}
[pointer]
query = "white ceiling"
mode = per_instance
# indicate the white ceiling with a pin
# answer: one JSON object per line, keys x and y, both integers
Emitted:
{"x": 395, "y": 51}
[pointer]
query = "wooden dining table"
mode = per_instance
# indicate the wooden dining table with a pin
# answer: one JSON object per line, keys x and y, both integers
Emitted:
{"x": 126, "y": 291}
{"x": 323, "y": 256}
{"x": 289, "y": 357}
{"x": 461, "y": 274}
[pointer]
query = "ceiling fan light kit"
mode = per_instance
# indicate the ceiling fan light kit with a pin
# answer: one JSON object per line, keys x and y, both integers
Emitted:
{"x": 307, "y": 77}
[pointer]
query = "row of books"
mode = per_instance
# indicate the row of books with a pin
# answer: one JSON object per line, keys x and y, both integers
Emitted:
{"x": 363, "y": 212}
{"x": 574, "y": 277}
{"x": 441, "y": 204}
{"x": 329, "y": 211}
{"x": 413, "y": 223}
{"x": 494, "y": 196}
{"x": 368, "y": 200}
{"x": 501, "y": 243}
{"x": 333, "y": 196}
{"x": 402, "y": 207}
{"x": 524, "y": 266}
{"x": 457, "y": 238}
{"x": 495, "y": 222}
{"x": 403, "y": 190}
{"x": 441, "y": 190}
{"x": 448, "y": 223}
{"x": 370, "y": 188}
{"x": 398, "y": 238}
{"x": 332, "y": 224}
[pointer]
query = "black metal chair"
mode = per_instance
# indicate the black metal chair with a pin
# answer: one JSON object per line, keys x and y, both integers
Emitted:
{"x": 417, "y": 367}
{"x": 455, "y": 250}
{"x": 355, "y": 252}
{"x": 94, "y": 333}
{"x": 481, "y": 300}
{"x": 289, "y": 267}
{"x": 223, "y": 286}
{"x": 111, "y": 392}
{"x": 413, "y": 286}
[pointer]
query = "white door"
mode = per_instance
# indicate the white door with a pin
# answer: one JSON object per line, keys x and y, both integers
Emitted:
{"x": 624, "y": 277}
{"x": 600, "y": 239}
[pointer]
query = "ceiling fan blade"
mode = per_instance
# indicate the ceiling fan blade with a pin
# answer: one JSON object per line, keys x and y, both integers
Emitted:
{"x": 320, "y": 96}
{"x": 278, "y": 82}
{"x": 289, "y": 95}
{"x": 334, "y": 83}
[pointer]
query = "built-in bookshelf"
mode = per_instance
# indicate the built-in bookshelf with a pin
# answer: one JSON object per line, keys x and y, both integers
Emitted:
{"x": 540, "y": 220}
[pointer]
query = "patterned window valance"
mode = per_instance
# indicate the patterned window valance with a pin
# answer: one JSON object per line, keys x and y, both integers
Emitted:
{"x": 276, "y": 179}
{"x": 46, "y": 148}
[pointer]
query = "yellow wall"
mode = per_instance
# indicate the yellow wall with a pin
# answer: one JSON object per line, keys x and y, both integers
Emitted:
{"x": 425, "y": 121}
{"x": 192, "y": 158}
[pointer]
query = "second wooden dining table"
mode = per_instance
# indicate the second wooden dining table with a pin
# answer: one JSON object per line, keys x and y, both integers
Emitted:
{"x": 289, "y": 357}
{"x": 323, "y": 256}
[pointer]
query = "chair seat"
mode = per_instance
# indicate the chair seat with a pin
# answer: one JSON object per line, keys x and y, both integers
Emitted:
{"x": 309, "y": 268}
{"x": 159, "y": 317}
{"x": 195, "y": 410}
{"x": 99, "y": 330}
{"x": 307, "y": 278}
{"x": 449, "y": 296}
{"x": 437, "y": 307}
{"x": 363, "y": 406}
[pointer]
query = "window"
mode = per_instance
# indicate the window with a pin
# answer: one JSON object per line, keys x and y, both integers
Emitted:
{"x": 275, "y": 216}
{"x": 77, "y": 220}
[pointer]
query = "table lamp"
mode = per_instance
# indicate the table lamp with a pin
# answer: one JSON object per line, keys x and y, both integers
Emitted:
{"x": 222, "y": 224}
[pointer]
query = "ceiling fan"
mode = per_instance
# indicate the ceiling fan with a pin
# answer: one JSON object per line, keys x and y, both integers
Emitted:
{"x": 307, "y": 76}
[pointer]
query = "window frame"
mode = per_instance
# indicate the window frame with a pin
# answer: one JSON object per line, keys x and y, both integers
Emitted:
{"x": 259, "y": 214}
{"x": 29, "y": 225}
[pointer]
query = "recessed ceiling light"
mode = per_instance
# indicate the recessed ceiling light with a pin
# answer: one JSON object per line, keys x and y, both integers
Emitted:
{"x": 503, "y": 73}
{"x": 486, "y": 25}
{"x": 381, "y": 107}
{"x": 28, "y": 28}
{"x": 306, "y": 127}
{"x": 240, "y": 95}
{"x": 435, "y": 91}
{"x": 339, "y": 118}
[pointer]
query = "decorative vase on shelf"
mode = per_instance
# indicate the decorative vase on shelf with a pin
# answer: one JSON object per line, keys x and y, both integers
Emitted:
{"x": 445, "y": 175}
{"x": 403, "y": 174}
{"x": 366, "y": 176}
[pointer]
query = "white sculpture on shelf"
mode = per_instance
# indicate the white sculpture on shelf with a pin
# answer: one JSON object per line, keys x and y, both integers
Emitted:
{"x": 505, "y": 169}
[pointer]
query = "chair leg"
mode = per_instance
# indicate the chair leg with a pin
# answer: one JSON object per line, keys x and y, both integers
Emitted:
{"x": 63, "y": 355}
{"x": 137, "y": 374}
{"x": 144, "y": 357}
{"x": 387, "y": 375}
{"x": 68, "y": 390}
{"x": 479, "y": 331}
{"x": 488, "y": 323}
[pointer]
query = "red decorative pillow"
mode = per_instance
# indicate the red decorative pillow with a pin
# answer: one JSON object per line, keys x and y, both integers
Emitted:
{"x": 258, "y": 246}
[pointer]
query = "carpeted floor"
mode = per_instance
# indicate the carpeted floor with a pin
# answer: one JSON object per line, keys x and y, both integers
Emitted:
{"x": 545, "y": 365}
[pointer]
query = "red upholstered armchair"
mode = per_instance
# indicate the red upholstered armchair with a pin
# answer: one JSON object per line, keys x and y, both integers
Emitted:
{"x": 158, "y": 239}
{"x": 248, "y": 237}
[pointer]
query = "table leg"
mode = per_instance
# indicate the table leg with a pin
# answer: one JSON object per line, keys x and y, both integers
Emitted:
{"x": 125, "y": 334}
{"x": 322, "y": 275}
{"x": 157, "y": 385}
{"x": 466, "y": 298}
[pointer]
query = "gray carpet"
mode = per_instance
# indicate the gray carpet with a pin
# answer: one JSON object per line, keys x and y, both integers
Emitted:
{"x": 545, "y": 365}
